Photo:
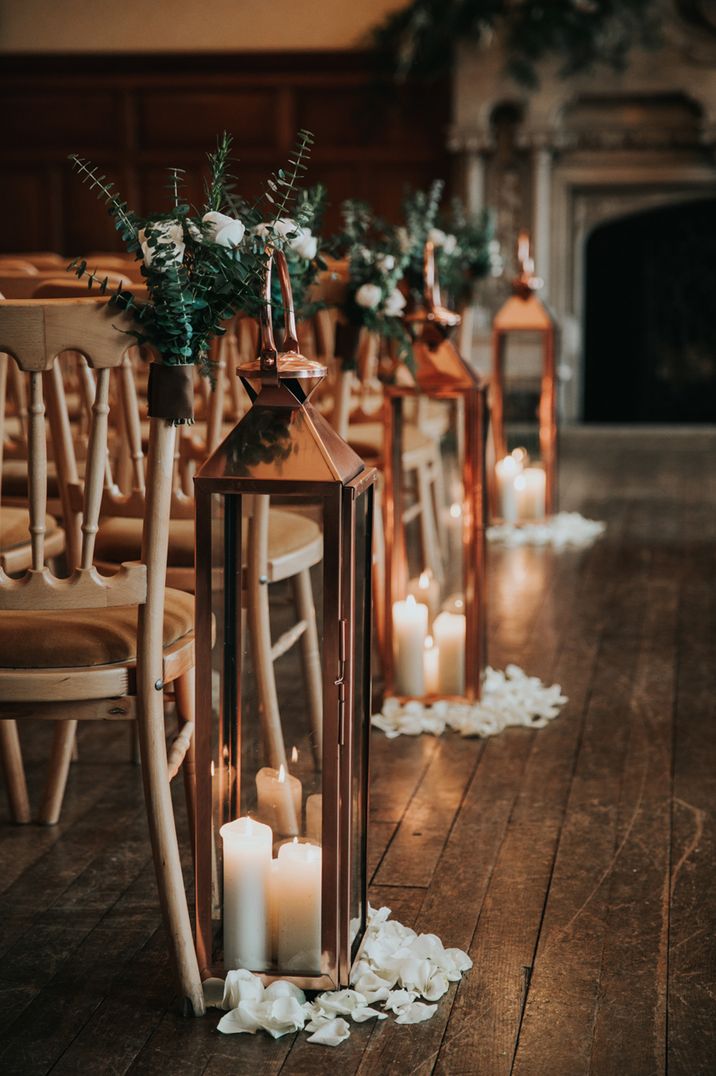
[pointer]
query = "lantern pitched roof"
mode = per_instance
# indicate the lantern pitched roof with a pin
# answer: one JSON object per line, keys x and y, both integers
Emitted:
{"x": 286, "y": 444}
{"x": 519, "y": 313}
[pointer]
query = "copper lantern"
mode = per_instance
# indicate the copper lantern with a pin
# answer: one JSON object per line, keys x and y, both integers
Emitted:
{"x": 535, "y": 492}
{"x": 434, "y": 616}
{"x": 283, "y": 610}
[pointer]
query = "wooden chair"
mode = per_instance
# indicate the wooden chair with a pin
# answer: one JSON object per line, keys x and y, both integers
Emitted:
{"x": 16, "y": 265}
{"x": 88, "y": 646}
{"x": 41, "y": 259}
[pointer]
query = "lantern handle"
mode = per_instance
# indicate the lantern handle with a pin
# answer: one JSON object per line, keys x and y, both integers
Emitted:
{"x": 431, "y": 286}
{"x": 268, "y": 353}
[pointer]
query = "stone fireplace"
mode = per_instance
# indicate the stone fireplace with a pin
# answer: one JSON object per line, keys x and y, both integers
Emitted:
{"x": 575, "y": 157}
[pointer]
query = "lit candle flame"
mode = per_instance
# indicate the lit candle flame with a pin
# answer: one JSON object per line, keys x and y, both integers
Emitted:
{"x": 212, "y": 767}
{"x": 294, "y": 754}
{"x": 429, "y": 644}
{"x": 424, "y": 580}
{"x": 282, "y": 773}
{"x": 455, "y": 510}
{"x": 410, "y": 600}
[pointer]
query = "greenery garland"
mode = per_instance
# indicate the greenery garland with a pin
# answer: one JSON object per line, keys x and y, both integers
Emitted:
{"x": 420, "y": 39}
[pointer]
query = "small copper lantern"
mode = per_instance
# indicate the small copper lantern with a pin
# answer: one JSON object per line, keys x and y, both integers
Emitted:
{"x": 283, "y": 620}
{"x": 434, "y": 619}
{"x": 536, "y": 487}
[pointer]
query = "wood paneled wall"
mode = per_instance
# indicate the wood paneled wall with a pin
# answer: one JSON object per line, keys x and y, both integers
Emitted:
{"x": 137, "y": 115}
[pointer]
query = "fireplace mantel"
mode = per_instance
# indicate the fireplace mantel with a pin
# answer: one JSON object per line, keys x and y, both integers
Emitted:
{"x": 578, "y": 152}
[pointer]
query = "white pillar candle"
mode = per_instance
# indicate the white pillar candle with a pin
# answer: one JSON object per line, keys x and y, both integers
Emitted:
{"x": 507, "y": 471}
{"x": 410, "y": 626}
{"x": 431, "y": 657}
{"x": 298, "y": 908}
{"x": 449, "y": 634}
{"x": 455, "y": 603}
{"x": 314, "y": 817}
{"x": 247, "y": 865}
{"x": 426, "y": 591}
{"x": 530, "y": 490}
{"x": 273, "y": 910}
{"x": 280, "y": 797}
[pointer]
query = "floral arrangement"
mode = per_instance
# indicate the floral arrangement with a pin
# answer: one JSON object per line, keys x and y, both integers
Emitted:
{"x": 200, "y": 266}
{"x": 298, "y": 236}
{"x": 465, "y": 246}
{"x": 421, "y": 37}
{"x": 376, "y": 264}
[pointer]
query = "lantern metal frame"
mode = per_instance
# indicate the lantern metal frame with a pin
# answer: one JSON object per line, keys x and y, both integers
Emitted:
{"x": 319, "y": 466}
{"x": 524, "y": 312}
{"x": 440, "y": 374}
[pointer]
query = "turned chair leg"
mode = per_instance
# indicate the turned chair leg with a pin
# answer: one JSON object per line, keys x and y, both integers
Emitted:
{"x": 184, "y": 695}
{"x": 259, "y": 619}
{"x": 311, "y": 660}
{"x": 60, "y": 759}
{"x": 11, "y": 757}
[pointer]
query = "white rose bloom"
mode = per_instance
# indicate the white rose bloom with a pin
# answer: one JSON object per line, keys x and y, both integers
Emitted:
{"x": 285, "y": 226}
{"x": 305, "y": 244}
{"x": 223, "y": 230}
{"x": 437, "y": 237}
{"x": 368, "y": 295}
{"x": 386, "y": 262}
{"x": 169, "y": 238}
{"x": 395, "y": 304}
{"x": 450, "y": 244}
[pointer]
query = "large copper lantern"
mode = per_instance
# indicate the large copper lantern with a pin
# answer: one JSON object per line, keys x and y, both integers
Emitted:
{"x": 283, "y": 554}
{"x": 434, "y": 616}
{"x": 520, "y": 491}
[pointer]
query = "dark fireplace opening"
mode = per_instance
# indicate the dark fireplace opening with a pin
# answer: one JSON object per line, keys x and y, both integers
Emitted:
{"x": 650, "y": 328}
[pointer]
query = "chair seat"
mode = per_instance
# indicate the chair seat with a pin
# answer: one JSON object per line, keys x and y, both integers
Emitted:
{"x": 367, "y": 439}
{"x": 83, "y": 638}
{"x": 120, "y": 540}
{"x": 14, "y": 480}
{"x": 15, "y": 527}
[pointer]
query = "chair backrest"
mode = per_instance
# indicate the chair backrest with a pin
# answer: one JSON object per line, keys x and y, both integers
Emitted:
{"x": 41, "y": 259}
{"x": 16, "y": 265}
{"x": 67, "y": 287}
{"x": 34, "y": 334}
{"x": 22, "y": 285}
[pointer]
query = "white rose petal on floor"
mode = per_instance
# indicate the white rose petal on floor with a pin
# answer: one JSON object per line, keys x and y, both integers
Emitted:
{"x": 399, "y": 968}
{"x": 509, "y": 698}
{"x": 566, "y": 529}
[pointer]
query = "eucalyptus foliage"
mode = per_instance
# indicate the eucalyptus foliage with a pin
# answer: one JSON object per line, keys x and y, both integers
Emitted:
{"x": 421, "y": 37}
{"x": 376, "y": 261}
{"x": 198, "y": 265}
{"x": 465, "y": 246}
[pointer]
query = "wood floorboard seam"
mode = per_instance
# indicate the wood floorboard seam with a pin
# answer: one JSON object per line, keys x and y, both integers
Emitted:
{"x": 575, "y": 759}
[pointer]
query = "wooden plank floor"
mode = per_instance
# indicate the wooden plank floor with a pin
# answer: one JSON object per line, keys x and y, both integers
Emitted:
{"x": 575, "y": 863}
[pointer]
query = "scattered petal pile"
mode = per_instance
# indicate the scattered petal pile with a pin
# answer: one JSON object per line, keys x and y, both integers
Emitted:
{"x": 564, "y": 529}
{"x": 508, "y": 698}
{"x": 397, "y": 969}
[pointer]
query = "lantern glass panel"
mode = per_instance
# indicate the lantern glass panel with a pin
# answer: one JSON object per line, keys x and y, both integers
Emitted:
{"x": 267, "y": 604}
{"x": 429, "y": 568}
